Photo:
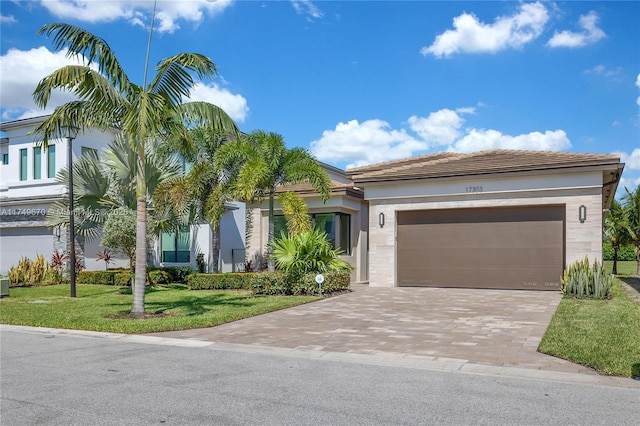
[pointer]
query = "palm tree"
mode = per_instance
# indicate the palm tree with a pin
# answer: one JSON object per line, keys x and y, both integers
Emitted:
{"x": 108, "y": 99}
{"x": 632, "y": 206}
{"x": 615, "y": 230}
{"x": 205, "y": 187}
{"x": 262, "y": 162}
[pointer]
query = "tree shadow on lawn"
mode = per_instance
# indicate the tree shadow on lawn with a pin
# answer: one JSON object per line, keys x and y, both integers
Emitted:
{"x": 192, "y": 306}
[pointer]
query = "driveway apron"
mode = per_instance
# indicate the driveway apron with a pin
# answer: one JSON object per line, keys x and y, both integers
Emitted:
{"x": 491, "y": 327}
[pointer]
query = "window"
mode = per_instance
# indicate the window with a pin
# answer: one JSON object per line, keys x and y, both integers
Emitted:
{"x": 88, "y": 151}
{"x": 175, "y": 246}
{"x": 37, "y": 162}
{"x": 337, "y": 226}
{"x": 51, "y": 161}
{"x": 23, "y": 164}
{"x": 5, "y": 159}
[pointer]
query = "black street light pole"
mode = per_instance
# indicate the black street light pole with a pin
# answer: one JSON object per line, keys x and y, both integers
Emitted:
{"x": 71, "y": 132}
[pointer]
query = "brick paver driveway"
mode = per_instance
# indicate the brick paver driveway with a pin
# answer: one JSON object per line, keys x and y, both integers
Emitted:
{"x": 493, "y": 327}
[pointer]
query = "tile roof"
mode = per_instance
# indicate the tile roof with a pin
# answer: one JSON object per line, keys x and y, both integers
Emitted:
{"x": 336, "y": 188}
{"x": 449, "y": 164}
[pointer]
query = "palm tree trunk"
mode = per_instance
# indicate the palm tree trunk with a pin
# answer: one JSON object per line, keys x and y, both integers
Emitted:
{"x": 270, "y": 265}
{"x": 615, "y": 261}
{"x": 215, "y": 249}
{"x": 137, "y": 309}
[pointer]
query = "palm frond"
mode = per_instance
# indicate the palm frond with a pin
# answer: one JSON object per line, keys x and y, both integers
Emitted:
{"x": 81, "y": 43}
{"x": 208, "y": 117}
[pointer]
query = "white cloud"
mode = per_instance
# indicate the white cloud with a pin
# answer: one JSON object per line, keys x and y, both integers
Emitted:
{"x": 590, "y": 33}
{"x": 137, "y": 12}
{"x": 479, "y": 140}
{"x": 440, "y": 127}
{"x": 20, "y": 72}
{"x": 306, "y": 7}
{"x": 472, "y": 36}
{"x": 374, "y": 141}
{"x": 631, "y": 161}
{"x": 371, "y": 141}
{"x": 234, "y": 104}
{"x": 7, "y": 19}
{"x": 629, "y": 183}
{"x": 604, "y": 71}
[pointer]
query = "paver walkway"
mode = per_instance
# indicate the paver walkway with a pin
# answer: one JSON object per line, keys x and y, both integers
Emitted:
{"x": 492, "y": 327}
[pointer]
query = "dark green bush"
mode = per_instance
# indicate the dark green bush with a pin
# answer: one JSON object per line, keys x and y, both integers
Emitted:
{"x": 158, "y": 277}
{"x": 97, "y": 277}
{"x": 177, "y": 274}
{"x": 282, "y": 283}
{"x": 626, "y": 252}
{"x": 122, "y": 278}
{"x": 221, "y": 281}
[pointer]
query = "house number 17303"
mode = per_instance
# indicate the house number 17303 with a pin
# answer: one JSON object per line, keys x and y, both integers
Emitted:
{"x": 473, "y": 189}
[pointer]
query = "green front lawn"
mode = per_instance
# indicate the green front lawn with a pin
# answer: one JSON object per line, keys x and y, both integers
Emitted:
{"x": 624, "y": 268}
{"x": 603, "y": 334}
{"x": 104, "y": 308}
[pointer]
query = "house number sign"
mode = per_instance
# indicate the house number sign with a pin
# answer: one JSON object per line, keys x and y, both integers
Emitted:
{"x": 473, "y": 189}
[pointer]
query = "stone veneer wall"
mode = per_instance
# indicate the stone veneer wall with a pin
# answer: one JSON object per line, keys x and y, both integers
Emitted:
{"x": 581, "y": 239}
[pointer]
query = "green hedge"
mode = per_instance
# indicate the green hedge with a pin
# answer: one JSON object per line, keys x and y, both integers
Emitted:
{"x": 177, "y": 274}
{"x": 626, "y": 252}
{"x": 110, "y": 277}
{"x": 221, "y": 281}
{"x": 281, "y": 283}
{"x": 271, "y": 283}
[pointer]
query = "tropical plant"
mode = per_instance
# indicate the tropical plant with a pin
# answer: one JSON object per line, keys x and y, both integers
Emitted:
{"x": 295, "y": 212}
{"x": 261, "y": 162}
{"x": 632, "y": 223}
{"x": 108, "y": 99}
{"x": 307, "y": 251}
{"x": 201, "y": 193}
{"x": 615, "y": 230}
{"x": 581, "y": 279}
{"x": 105, "y": 256}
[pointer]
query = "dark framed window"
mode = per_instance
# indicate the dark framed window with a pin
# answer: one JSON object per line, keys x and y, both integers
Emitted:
{"x": 175, "y": 246}
{"x": 37, "y": 162}
{"x": 5, "y": 159}
{"x": 337, "y": 226}
{"x": 23, "y": 164}
{"x": 51, "y": 161}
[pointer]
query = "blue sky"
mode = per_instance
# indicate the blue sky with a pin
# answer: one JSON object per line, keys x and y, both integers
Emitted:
{"x": 359, "y": 82}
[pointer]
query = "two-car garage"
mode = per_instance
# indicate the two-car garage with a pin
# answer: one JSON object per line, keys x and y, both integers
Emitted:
{"x": 499, "y": 219}
{"x": 514, "y": 248}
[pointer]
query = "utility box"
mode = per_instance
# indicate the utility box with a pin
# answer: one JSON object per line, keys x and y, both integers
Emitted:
{"x": 4, "y": 287}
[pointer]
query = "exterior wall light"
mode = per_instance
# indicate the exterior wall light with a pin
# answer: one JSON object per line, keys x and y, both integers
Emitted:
{"x": 582, "y": 213}
{"x": 381, "y": 220}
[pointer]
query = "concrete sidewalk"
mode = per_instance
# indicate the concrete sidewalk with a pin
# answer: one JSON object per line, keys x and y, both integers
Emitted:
{"x": 477, "y": 326}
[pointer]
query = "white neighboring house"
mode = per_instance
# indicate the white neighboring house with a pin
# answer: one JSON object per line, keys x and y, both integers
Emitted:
{"x": 28, "y": 189}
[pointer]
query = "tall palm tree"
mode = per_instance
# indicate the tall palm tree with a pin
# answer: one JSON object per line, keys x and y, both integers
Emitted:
{"x": 262, "y": 162}
{"x": 108, "y": 99}
{"x": 615, "y": 230}
{"x": 632, "y": 205}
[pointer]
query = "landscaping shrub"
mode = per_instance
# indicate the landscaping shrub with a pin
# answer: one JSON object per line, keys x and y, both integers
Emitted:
{"x": 122, "y": 278}
{"x": 581, "y": 279}
{"x": 31, "y": 272}
{"x": 626, "y": 252}
{"x": 159, "y": 277}
{"x": 177, "y": 274}
{"x": 97, "y": 277}
{"x": 222, "y": 281}
{"x": 271, "y": 283}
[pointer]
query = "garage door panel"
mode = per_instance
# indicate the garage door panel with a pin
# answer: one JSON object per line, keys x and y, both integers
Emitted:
{"x": 521, "y": 249}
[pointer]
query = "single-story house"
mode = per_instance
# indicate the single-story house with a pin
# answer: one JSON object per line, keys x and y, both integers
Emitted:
{"x": 491, "y": 219}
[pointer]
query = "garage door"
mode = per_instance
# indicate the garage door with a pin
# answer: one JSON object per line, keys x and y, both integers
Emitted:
{"x": 514, "y": 248}
{"x": 16, "y": 243}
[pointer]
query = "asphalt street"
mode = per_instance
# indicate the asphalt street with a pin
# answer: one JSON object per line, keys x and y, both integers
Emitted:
{"x": 98, "y": 379}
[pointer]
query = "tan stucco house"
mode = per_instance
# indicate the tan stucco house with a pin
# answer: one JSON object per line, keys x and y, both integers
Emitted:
{"x": 490, "y": 219}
